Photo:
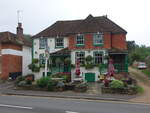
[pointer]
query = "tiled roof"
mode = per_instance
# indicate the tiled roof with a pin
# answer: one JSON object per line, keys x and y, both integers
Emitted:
{"x": 89, "y": 25}
{"x": 8, "y": 37}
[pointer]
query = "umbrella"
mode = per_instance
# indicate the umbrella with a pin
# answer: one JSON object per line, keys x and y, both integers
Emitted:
{"x": 77, "y": 68}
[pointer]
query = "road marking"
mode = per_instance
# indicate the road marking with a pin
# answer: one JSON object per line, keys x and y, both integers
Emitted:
{"x": 70, "y": 112}
{"x": 13, "y": 106}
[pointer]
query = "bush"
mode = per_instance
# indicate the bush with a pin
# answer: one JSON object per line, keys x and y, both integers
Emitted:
{"x": 43, "y": 82}
{"x": 117, "y": 84}
{"x": 35, "y": 60}
{"x": 19, "y": 79}
{"x": 30, "y": 77}
{"x": 22, "y": 83}
{"x": 89, "y": 66}
{"x": 81, "y": 87}
{"x": 89, "y": 58}
{"x": 51, "y": 85}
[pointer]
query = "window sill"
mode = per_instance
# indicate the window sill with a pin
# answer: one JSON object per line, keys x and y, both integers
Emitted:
{"x": 79, "y": 45}
{"x": 41, "y": 48}
{"x": 99, "y": 45}
{"x": 59, "y": 47}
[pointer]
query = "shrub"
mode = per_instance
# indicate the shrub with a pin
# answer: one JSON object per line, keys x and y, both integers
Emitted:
{"x": 51, "y": 85}
{"x": 28, "y": 81}
{"x": 43, "y": 82}
{"x": 30, "y": 77}
{"x": 117, "y": 84}
{"x": 35, "y": 60}
{"x": 73, "y": 66}
{"x": 81, "y": 87}
{"x": 67, "y": 61}
{"x": 89, "y": 58}
{"x": 19, "y": 79}
{"x": 22, "y": 83}
{"x": 89, "y": 66}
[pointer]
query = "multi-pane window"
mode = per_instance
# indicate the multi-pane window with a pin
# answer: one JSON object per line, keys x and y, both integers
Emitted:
{"x": 43, "y": 43}
{"x": 42, "y": 58}
{"x": 80, "y": 56}
{"x": 98, "y": 38}
{"x": 80, "y": 39}
{"x": 98, "y": 57}
{"x": 59, "y": 42}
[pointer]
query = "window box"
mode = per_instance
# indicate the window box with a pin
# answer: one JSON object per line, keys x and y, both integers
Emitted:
{"x": 79, "y": 45}
{"x": 99, "y": 45}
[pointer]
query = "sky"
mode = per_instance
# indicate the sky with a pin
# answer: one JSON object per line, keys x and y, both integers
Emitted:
{"x": 36, "y": 15}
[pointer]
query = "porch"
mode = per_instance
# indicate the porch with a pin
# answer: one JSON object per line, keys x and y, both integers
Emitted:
{"x": 120, "y": 60}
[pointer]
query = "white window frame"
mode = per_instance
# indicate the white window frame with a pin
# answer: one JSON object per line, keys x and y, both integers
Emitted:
{"x": 80, "y": 57}
{"x": 98, "y": 59}
{"x": 97, "y": 38}
{"x": 59, "y": 41}
{"x": 80, "y": 39}
{"x": 42, "y": 43}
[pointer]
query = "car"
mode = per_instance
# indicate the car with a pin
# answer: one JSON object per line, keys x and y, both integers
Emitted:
{"x": 142, "y": 65}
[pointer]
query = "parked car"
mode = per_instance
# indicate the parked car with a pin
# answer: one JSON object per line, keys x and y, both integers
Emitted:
{"x": 142, "y": 65}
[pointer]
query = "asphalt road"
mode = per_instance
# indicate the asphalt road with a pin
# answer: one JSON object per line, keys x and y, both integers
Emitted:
{"x": 20, "y": 104}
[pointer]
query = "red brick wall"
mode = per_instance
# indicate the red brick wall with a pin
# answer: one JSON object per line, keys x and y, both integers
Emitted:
{"x": 119, "y": 41}
{"x": 89, "y": 42}
{"x": 10, "y": 63}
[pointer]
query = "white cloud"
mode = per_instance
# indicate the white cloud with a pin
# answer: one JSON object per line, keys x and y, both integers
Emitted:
{"x": 132, "y": 15}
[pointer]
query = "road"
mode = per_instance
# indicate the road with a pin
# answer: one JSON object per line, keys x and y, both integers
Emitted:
{"x": 21, "y": 104}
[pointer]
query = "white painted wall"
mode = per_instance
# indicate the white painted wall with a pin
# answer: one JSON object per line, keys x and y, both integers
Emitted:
{"x": 51, "y": 44}
{"x": 83, "y": 71}
{"x": 37, "y": 51}
{"x": 27, "y": 59}
{"x": 87, "y": 52}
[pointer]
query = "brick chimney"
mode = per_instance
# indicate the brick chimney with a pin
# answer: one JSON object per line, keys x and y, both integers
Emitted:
{"x": 20, "y": 32}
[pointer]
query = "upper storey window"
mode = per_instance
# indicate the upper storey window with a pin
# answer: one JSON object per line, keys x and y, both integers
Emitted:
{"x": 59, "y": 42}
{"x": 80, "y": 40}
{"x": 98, "y": 39}
{"x": 42, "y": 43}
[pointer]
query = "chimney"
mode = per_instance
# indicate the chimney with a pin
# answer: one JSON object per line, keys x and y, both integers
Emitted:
{"x": 20, "y": 32}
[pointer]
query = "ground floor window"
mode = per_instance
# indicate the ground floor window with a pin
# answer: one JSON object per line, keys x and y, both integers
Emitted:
{"x": 80, "y": 56}
{"x": 98, "y": 57}
{"x": 42, "y": 59}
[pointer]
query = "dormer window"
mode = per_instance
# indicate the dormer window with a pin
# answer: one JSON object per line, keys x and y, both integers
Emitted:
{"x": 98, "y": 39}
{"x": 80, "y": 40}
{"x": 59, "y": 42}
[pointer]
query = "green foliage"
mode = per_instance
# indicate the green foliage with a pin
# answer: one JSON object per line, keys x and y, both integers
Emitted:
{"x": 89, "y": 66}
{"x": 73, "y": 66}
{"x": 89, "y": 58}
{"x": 35, "y": 60}
{"x": 58, "y": 61}
{"x": 43, "y": 82}
{"x": 136, "y": 52}
{"x": 117, "y": 84}
{"x": 146, "y": 72}
{"x": 51, "y": 85}
{"x": 67, "y": 61}
{"x": 34, "y": 67}
{"x": 82, "y": 87}
{"x": 19, "y": 79}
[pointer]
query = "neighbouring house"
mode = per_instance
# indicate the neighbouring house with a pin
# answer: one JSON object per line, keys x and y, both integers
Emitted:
{"x": 92, "y": 38}
{"x": 15, "y": 54}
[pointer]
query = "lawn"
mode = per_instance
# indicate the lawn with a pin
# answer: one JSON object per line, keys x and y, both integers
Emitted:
{"x": 146, "y": 72}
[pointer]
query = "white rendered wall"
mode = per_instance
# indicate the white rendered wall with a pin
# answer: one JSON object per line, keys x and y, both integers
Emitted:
{"x": 83, "y": 71}
{"x": 51, "y": 44}
{"x": 37, "y": 52}
{"x": 27, "y": 59}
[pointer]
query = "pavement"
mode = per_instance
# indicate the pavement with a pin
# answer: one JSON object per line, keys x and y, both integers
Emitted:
{"x": 93, "y": 93}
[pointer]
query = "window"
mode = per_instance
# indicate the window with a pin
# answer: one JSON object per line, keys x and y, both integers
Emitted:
{"x": 98, "y": 57}
{"x": 59, "y": 42}
{"x": 98, "y": 38}
{"x": 42, "y": 58}
{"x": 80, "y": 56}
{"x": 80, "y": 39}
{"x": 43, "y": 43}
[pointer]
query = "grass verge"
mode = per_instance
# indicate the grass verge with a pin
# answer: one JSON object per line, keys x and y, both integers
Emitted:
{"x": 139, "y": 89}
{"x": 146, "y": 72}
